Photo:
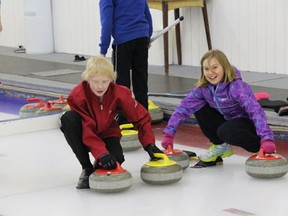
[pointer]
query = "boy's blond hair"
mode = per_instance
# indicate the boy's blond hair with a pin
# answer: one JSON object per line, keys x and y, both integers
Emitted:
{"x": 99, "y": 65}
{"x": 229, "y": 70}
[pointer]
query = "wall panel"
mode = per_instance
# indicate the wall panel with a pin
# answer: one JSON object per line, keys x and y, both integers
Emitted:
{"x": 251, "y": 32}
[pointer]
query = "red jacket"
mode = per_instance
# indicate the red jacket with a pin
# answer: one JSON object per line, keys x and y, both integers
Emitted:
{"x": 98, "y": 116}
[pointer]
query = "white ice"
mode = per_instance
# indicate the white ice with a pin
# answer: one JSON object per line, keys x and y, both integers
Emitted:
{"x": 39, "y": 172}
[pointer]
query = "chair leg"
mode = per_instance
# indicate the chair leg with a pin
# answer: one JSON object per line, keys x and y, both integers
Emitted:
{"x": 206, "y": 23}
{"x": 165, "y": 37}
{"x": 178, "y": 37}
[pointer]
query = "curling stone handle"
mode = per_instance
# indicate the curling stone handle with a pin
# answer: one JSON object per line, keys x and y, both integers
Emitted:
{"x": 61, "y": 99}
{"x": 261, "y": 153}
{"x": 118, "y": 170}
{"x": 261, "y": 156}
{"x": 41, "y": 103}
{"x": 126, "y": 126}
{"x": 119, "y": 167}
{"x": 171, "y": 151}
{"x": 164, "y": 157}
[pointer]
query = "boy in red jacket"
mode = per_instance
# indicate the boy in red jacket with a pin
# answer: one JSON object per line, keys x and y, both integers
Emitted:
{"x": 91, "y": 124}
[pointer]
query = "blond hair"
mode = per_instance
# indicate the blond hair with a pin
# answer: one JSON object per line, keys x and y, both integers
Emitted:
{"x": 99, "y": 66}
{"x": 229, "y": 70}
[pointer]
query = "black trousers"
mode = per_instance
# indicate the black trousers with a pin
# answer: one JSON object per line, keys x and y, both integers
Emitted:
{"x": 239, "y": 132}
{"x": 130, "y": 61}
{"x": 72, "y": 129}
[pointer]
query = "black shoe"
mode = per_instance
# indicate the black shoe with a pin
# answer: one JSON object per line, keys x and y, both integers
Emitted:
{"x": 282, "y": 111}
{"x": 202, "y": 164}
{"x": 83, "y": 182}
{"x": 77, "y": 58}
{"x": 20, "y": 49}
{"x": 190, "y": 153}
{"x": 82, "y": 58}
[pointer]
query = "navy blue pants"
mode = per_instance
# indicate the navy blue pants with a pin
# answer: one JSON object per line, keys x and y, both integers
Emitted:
{"x": 130, "y": 61}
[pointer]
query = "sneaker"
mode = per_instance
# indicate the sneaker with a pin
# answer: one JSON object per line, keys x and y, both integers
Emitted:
{"x": 223, "y": 150}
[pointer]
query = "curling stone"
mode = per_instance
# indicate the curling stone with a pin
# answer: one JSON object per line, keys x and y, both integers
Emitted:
{"x": 161, "y": 172}
{"x": 110, "y": 181}
{"x": 155, "y": 112}
{"x": 266, "y": 166}
{"x": 64, "y": 109}
{"x": 48, "y": 109}
{"x": 60, "y": 102}
{"x": 129, "y": 140}
{"x": 30, "y": 109}
{"x": 179, "y": 156}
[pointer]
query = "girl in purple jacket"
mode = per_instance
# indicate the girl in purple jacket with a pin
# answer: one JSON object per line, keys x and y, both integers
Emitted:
{"x": 226, "y": 110}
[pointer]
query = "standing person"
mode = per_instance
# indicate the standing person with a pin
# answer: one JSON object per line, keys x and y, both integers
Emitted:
{"x": 90, "y": 126}
{"x": 129, "y": 22}
{"x": 1, "y": 27}
{"x": 226, "y": 110}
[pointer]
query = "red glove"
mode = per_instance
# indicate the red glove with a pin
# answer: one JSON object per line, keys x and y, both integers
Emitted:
{"x": 268, "y": 146}
{"x": 167, "y": 139}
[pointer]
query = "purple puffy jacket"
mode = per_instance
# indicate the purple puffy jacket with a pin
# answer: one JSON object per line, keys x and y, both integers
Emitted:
{"x": 233, "y": 99}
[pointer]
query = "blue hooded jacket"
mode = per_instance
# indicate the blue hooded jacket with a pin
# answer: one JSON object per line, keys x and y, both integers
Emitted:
{"x": 232, "y": 99}
{"x": 124, "y": 20}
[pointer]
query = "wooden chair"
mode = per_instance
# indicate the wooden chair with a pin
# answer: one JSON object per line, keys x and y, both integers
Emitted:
{"x": 165, "y": 6}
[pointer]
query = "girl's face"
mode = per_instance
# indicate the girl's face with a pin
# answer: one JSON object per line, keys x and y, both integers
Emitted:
{"x": 99, "y": 84}
{"x": 213, "y": 71}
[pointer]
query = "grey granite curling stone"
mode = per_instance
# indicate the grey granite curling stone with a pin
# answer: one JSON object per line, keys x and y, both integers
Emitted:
{"x": 266, "y": 166}
{"x": 110, "y": 181}
{"x": 129, "y": 140}
{"x": 155, "y": 112}
{"x": 30, "y": 109}
{"x": 48, "y": 109}
{"x": 161, "y": 172}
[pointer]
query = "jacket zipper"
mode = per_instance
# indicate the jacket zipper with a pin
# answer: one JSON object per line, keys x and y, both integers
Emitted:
{"x": 101, "y": 105}
{"x": 215, "y": 99}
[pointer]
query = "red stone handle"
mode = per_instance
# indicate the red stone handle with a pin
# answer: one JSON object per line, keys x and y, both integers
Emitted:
{"x": 261, "y": 156}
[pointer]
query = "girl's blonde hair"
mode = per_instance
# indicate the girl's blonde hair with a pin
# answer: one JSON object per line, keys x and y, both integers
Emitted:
{"x": 99, "y": 65}
{"x": 229, "y": 70}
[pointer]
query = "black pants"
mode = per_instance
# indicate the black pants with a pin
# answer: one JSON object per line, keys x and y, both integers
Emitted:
{"x": 72, "y": 129}
{"x": 239, "y": 132}
{"x": 131, "y": 58}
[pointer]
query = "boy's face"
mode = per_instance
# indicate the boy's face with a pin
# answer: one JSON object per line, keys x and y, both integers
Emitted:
{"x": 99, "y": 84}
{"x": 213, "y": 71}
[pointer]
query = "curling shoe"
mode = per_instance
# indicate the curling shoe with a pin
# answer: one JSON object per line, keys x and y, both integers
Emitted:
{"x": 83, "y": 182}
{"x": 223, "y": 150}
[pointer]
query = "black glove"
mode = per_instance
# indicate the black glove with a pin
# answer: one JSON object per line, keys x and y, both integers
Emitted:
{"x": 151, "y": 149}
{"x": 108, "y": 161}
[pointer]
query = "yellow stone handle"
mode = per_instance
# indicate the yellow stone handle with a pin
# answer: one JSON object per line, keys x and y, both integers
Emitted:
{"x": 164, "y": 157}
{"x": 161, "y": 163}
{"x": 126, "y": 126}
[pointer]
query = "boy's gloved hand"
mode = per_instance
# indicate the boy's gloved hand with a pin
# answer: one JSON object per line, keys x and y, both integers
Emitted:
{"x": 268, "y": 146}
{"x": 167, "y": 139}
{"x": 108, "y": 161}
{"x": 151, "y": 149}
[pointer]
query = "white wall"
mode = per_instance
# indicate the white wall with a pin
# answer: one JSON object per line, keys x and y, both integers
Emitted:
{"x": 12, "y": 16}
{"x": 251, "y": 32}
{"x": 76, "y": 26}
